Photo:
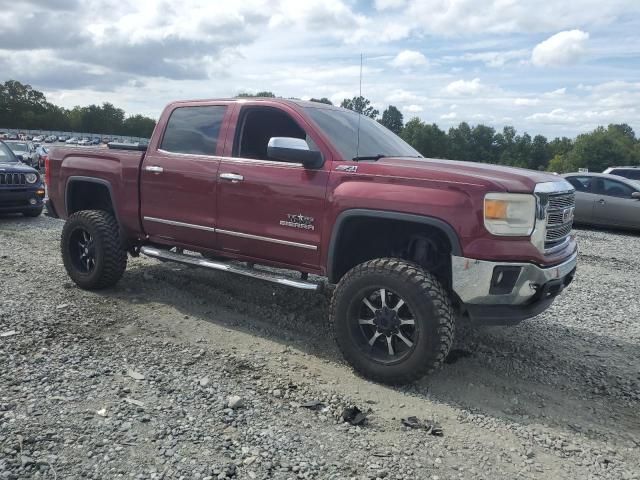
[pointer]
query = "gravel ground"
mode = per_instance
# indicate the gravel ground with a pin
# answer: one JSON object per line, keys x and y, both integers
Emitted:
{"x": 184, "y": 373}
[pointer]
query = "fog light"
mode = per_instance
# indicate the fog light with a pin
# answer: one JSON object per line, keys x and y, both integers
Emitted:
{"x": 33, "y": 201}
{"x": 503, "y": 280}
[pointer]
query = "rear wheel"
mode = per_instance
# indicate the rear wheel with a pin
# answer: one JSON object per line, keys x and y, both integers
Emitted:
{"x": 91, "y": 249}
{"x": 392, "y": 320}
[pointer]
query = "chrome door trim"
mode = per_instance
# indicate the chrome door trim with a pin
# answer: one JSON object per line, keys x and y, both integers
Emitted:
{"x": 234, "y": 177}
{"x": 179, "y": 224}
{"x": 267, "y": 239}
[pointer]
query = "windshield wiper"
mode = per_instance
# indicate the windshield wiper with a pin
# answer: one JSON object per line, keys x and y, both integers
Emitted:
{"x": 370, "y": 157}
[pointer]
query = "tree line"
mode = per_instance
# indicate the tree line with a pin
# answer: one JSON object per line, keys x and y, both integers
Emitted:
{"x": 22, "y": 107}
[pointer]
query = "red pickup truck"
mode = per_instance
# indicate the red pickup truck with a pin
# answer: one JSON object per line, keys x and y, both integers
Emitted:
{"x": 280, "y": 189}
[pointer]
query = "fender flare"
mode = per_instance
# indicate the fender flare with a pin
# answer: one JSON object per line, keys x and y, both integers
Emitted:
{"x": 99, "y": 181}
{"x": 441, "y": 225}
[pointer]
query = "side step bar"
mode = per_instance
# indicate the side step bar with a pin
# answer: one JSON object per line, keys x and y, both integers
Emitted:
{"x": 226, "y": 267}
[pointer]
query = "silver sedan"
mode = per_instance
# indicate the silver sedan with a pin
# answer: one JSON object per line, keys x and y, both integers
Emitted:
{"x": 606, "y": 200}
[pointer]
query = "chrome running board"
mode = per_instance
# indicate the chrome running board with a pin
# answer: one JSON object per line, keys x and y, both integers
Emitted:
{"x": 227, "y": 267}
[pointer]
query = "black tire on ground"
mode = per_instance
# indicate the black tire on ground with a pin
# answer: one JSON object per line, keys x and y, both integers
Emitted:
{"x": 429, "y": 322}
{"x": 33, "y": 213}
{"x": 99, "y": 230}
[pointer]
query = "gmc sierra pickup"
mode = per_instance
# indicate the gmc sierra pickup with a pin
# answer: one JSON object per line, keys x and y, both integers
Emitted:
{"x": 410, "y": 243}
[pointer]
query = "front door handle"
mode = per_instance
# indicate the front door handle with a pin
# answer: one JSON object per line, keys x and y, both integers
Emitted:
{"x": 601, "y": 201}
{"x": 154, "y": 169}
{"x": 234, "y": 177}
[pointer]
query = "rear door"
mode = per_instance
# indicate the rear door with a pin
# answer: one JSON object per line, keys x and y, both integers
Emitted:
{"x": 268, "y": 209}
{"x": 179, "y": 177}
{"x": 614, "y": 205}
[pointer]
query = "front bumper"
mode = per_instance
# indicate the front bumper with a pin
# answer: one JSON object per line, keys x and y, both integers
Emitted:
{"x": 507, "y": 293}
{"x": 20, "y": 199}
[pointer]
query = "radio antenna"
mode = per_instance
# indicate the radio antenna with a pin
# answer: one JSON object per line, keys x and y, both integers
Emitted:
{"x": 359, "y": 113}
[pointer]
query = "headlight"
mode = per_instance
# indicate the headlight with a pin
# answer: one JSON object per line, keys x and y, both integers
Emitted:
{"x": 509, "y": 214}
{"x": 31, "y": 177}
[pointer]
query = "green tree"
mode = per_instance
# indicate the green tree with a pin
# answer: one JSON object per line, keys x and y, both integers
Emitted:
{"x": 539, "y": 157}
{"x": 460, "y": 142}
{"x": 392, "y": 119}
{"x": 264, "y": 94}
{"x": 322, "y": 100}
{"x": 429, "y": 140}
{"x": 360, "y": 105}
{"x": 483, "y": 148}
{"x": 138, "y": 126}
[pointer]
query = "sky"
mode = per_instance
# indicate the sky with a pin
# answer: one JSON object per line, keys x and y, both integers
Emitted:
{"x": 552, "y": 67}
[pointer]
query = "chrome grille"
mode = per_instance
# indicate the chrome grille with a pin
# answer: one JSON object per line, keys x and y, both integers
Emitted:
{"x": 559, "y": 218}
{"x": 13, "y": 179}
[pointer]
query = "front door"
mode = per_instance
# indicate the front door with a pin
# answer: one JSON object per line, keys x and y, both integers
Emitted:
{"x": 270, "y": 209}
{"x": 179, "y": 178}
{"x": 614, "y": 205}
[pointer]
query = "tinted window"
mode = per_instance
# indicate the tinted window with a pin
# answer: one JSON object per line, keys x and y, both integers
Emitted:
{"x": 581, "y": 184}
{"x": 259, "y": 125}
{"x": 194, "y": 130}
{"x": 341, "y": 126}
{"x": 6, "y": 155}
{"x": 611, "y": 188}
{"x": 633, "y": 174}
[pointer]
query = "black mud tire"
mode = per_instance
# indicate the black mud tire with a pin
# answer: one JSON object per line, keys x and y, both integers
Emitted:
{"x": 33, "y": 213}
{"x": 430, "y": 305}
{"x": 110, "y": 256}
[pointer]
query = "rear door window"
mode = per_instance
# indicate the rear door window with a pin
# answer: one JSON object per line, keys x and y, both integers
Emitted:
{"x": 612, "y": 188}
{"x": 194, "y": 130}
{"x": 632, "y": 174}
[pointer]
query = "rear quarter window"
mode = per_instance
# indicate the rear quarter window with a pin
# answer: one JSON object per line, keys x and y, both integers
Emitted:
{"x": 194, "y": 130}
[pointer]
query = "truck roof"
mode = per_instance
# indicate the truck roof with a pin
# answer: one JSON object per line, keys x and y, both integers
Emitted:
{"x": 285, "y": 101}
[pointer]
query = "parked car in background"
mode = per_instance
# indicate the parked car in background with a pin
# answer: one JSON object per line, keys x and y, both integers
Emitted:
{"x": 25, "y": 151}
{"x": 84, "y": 141}
{"x": 72, "y": 141}
{"x": 50, "y": 139}
{"x": 63, "y": 138}
{"x": 43, "y": 155}
{"x": 21, "y": 187}
{"x": 95, "y": 141}
{"x": 632, "y": 173}
{"x": 12, "y": 136}
{"x": 606, "y": 200}
{"x": 38, "y": 138}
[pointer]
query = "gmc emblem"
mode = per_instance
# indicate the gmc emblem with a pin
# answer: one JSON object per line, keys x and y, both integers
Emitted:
{"x": 567, "y": 214}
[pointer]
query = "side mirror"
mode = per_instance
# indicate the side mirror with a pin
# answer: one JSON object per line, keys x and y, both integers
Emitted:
{"x": 636, "y": 195}
{"x": 20, "y": 157}
{"x": 294, "y": 150}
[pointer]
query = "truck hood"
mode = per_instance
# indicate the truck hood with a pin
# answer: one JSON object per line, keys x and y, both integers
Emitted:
{"x": 16, "y": 168}
{"x": 511, "y": 179}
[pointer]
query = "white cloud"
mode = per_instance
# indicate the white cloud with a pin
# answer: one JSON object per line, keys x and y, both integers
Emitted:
{"x": 408, "y": 59}
{"x": 560, "y": 49}
{"x": 449, "y": 116}
{"x": 465, "y": 87}
{"x": 526, "y": 102}
{"x": 389, "y": 4}
{"x": 412, "y": 108}
{"x": 556, "y": 93}
{"x": 495, "y": 59}
{"x": 404, "y": 96}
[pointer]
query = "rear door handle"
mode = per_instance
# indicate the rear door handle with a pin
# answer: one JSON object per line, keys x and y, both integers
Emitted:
{"x": 154, "y": 169}
{"x": 601, "y": 201}
{"x": 234, "y": 177}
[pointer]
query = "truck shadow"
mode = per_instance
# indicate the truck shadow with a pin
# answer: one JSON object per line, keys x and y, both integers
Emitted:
{"x": 543, "y": 371}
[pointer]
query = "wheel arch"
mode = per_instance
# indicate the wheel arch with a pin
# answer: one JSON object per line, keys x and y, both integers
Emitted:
{"x": 77, "y": 185}
{"x": 334, "y": 272}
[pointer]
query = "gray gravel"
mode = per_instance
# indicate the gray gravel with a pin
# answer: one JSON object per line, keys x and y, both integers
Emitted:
{"x": 183, "y": 373}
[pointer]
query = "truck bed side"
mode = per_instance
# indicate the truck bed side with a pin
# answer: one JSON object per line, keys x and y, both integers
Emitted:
{"x": 118, "y": 170}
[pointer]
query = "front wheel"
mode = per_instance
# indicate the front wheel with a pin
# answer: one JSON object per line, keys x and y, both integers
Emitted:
{"x": 91, "y": 249}
{"x": 392, "y": 320}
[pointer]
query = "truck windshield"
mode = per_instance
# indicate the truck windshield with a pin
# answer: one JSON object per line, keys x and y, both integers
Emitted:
{"x": 6, "y": 155}
{"x": 376, "y": 141}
